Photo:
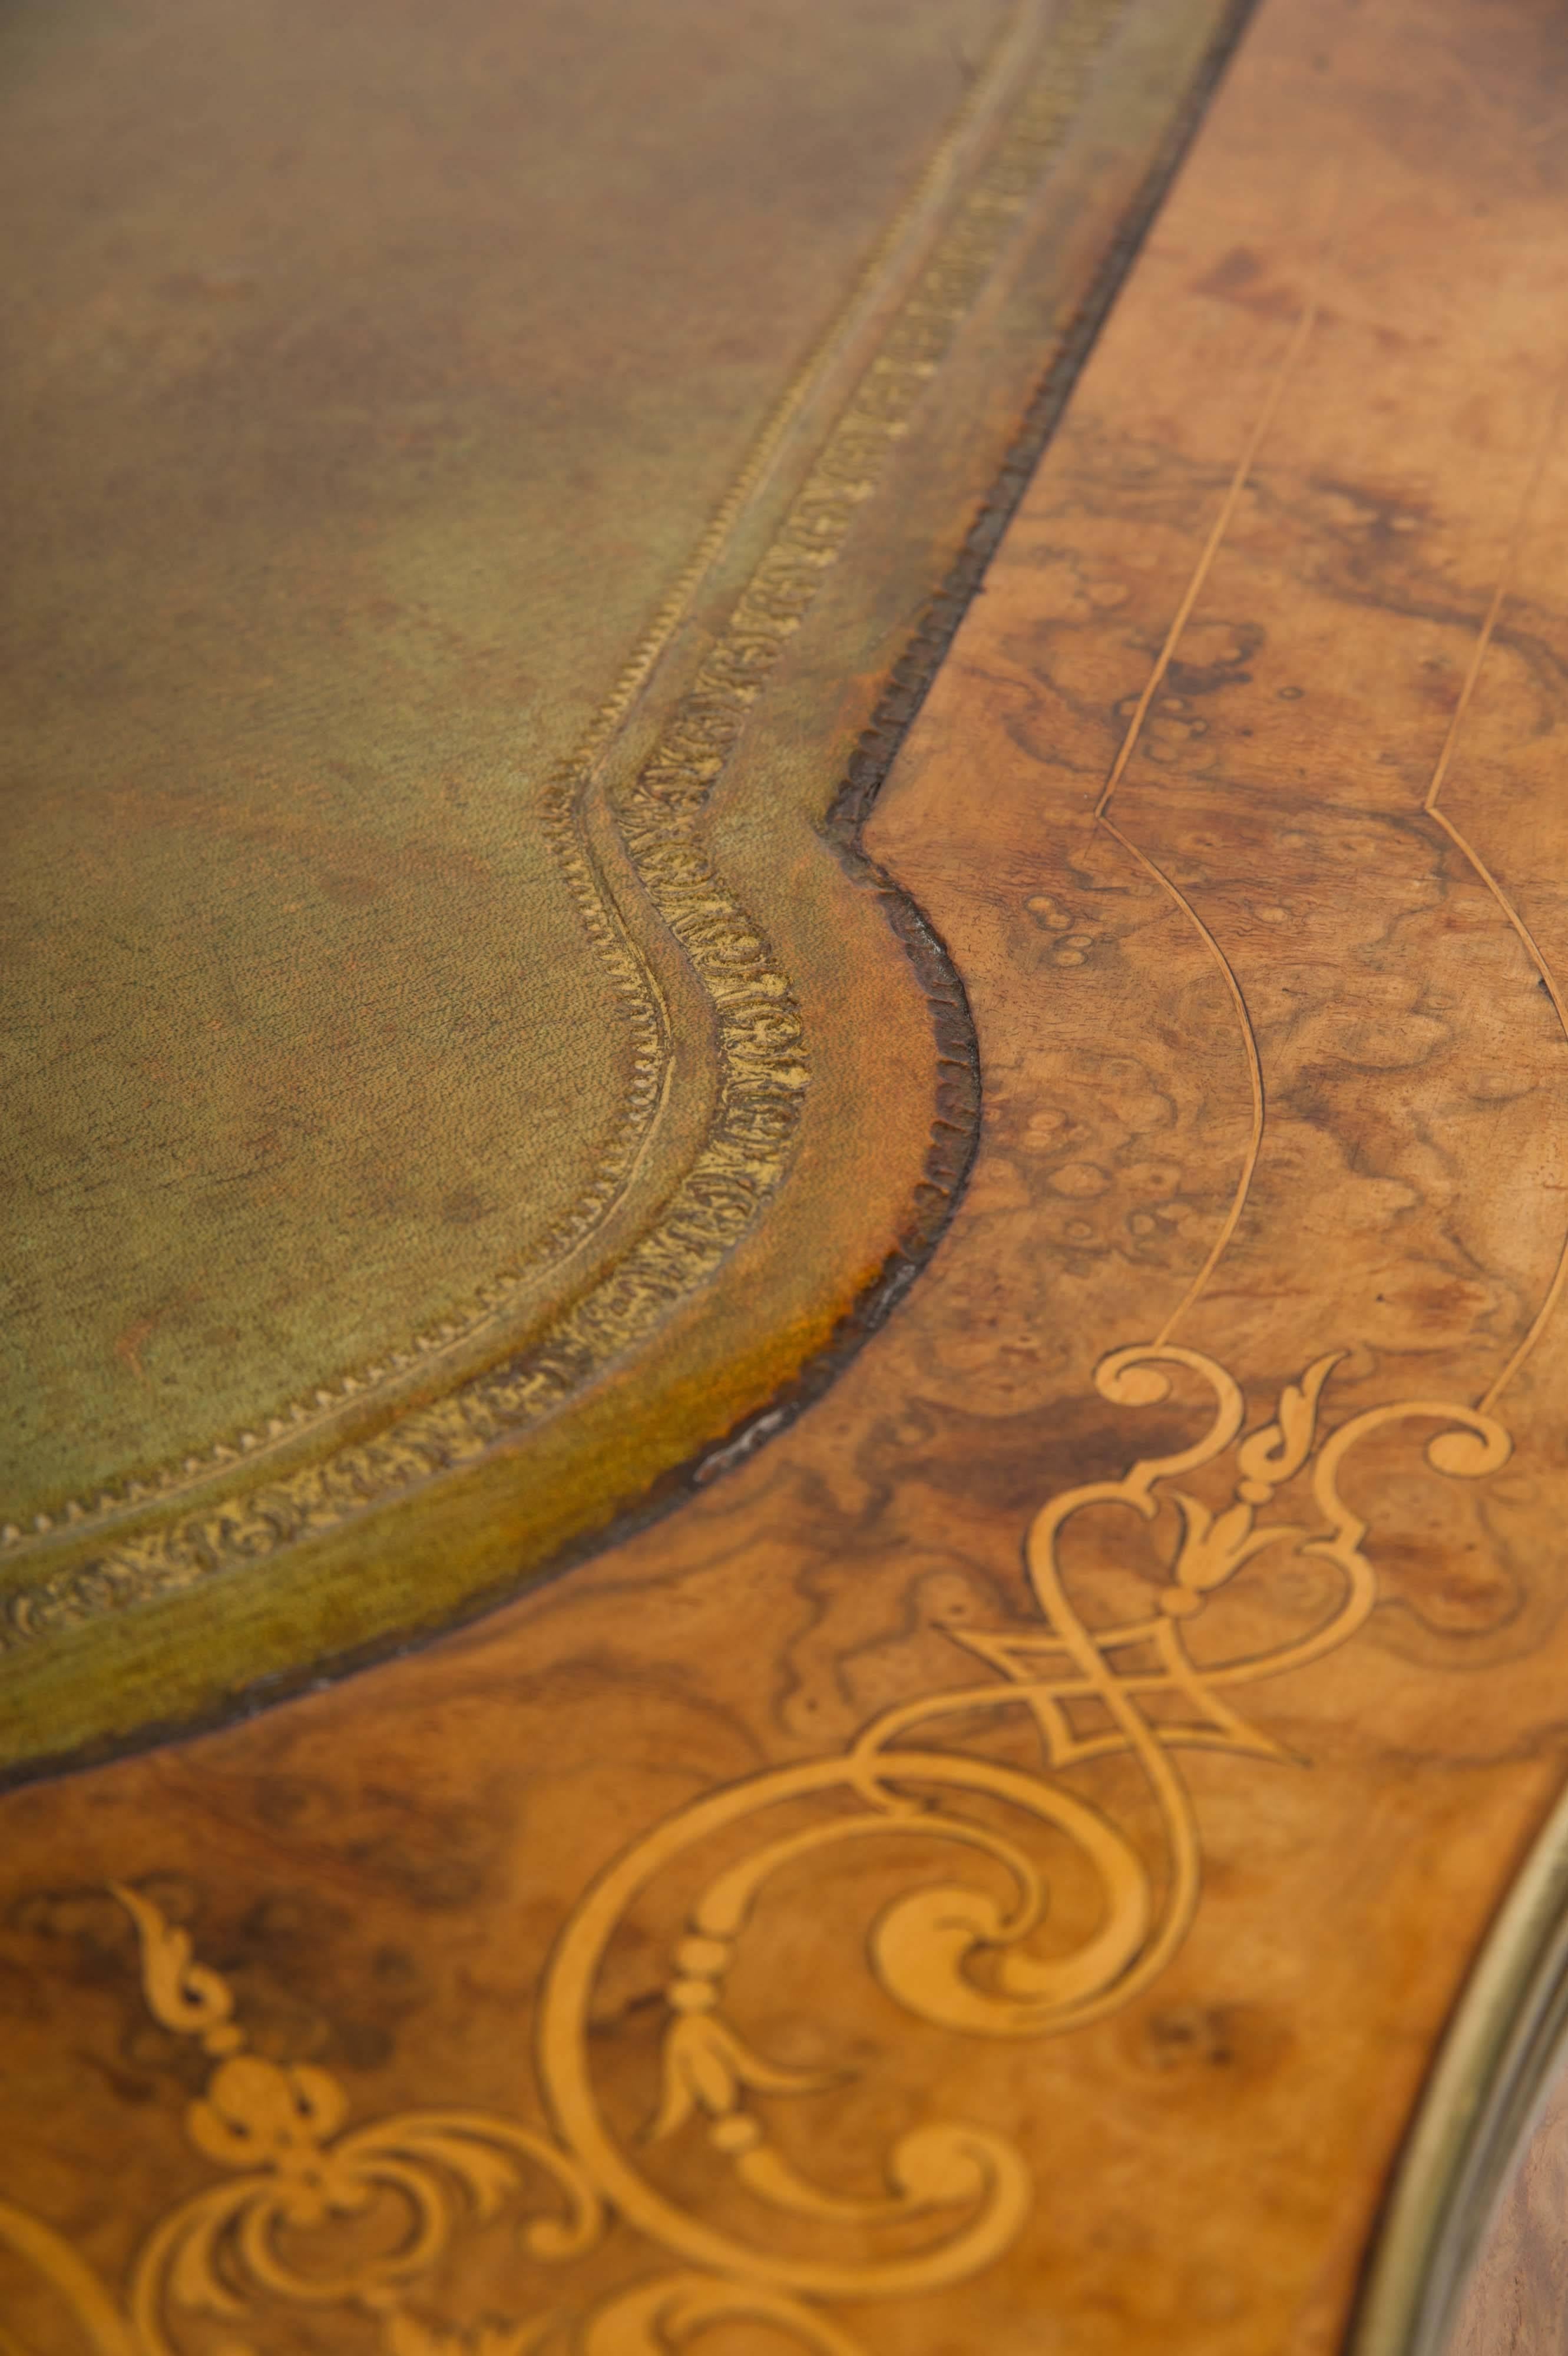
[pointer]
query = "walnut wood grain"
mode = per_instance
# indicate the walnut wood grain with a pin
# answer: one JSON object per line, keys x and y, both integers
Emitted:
{"x": 1235, "y": 809}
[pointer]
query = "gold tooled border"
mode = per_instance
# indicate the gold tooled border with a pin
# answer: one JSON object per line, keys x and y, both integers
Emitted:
{"x": 1507, "y": 2035}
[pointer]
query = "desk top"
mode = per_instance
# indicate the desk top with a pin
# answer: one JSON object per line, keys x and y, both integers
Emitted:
{"x": 991, "y": 1867}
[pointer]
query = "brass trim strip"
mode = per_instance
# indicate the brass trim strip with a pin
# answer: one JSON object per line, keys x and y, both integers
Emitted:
{"x": 1507, "y": 2034}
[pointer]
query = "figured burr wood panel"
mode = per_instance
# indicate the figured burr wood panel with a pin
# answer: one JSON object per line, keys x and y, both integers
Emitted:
{"x": 993, "y": 1868}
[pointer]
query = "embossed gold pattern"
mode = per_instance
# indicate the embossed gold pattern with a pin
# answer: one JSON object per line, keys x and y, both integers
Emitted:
{"x": 297, "y": 2174}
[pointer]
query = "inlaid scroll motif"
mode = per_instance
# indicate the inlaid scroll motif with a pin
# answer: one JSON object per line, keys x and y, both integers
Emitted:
{"x": 309, "y": 2211}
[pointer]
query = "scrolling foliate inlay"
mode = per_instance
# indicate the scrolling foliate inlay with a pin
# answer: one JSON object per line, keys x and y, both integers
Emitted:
{"x": 313, "y": 2210}
{"x": 759, "y": 1050}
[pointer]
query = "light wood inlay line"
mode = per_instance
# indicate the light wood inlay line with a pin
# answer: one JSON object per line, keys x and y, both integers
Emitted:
{"x": 1462, "y": 844}
{"x": 1254, "y": 1073}
{"x": 1288, "y": 362}
{"x": 1221, "y": 525}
